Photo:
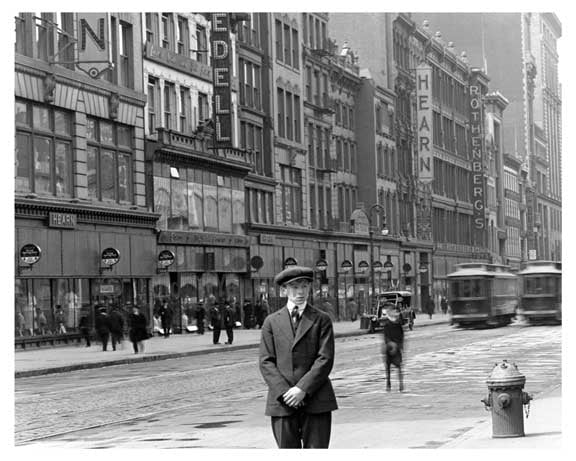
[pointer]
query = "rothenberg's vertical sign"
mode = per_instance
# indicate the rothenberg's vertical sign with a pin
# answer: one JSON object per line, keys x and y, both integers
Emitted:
{"x": 478, "y": 189}
{"x": 221, "y": 70}
{"x": 424, "y": 119}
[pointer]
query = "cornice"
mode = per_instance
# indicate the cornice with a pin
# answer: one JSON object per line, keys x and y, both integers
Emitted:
{"x": 87, "y": 213}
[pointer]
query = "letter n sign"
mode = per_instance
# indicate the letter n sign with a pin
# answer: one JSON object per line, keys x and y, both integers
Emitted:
{"x": 424, "y": 116}
{"x": 93, "y": 46}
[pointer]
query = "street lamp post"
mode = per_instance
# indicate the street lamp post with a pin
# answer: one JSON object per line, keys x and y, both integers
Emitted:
{"x": 381, "y": 210}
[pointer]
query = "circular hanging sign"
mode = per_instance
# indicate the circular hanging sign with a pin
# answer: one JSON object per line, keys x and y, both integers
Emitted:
{"x": 363, "y": 265}
{"x": 377, "y": 265}
{"x": 290, "y": 262}
{"x": 110, "y": 256}
{"x": 256, "y": 262}
{"x": 30, "y": 253}
{"x": 346, "y": 265}
{"x": 388, "y": 265}
{"x": 166, "y": 258}
{"x": 321, "y": 265}
{"x": 406, "y": 267}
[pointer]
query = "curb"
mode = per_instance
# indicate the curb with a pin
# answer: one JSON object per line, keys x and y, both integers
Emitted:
{"x": 484, "y": 427}
{"x": 166, "y": 356}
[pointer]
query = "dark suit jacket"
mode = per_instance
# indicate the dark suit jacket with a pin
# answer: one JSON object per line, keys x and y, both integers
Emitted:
{"x": 303, "y": 359}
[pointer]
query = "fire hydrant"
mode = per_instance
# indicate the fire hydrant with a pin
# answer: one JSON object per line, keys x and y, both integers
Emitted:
{"x": 506, "y": 399}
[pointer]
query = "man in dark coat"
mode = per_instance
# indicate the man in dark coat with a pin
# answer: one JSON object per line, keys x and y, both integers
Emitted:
{"x": 430, "y": 306}
{"x": 103, "y": 327}
{"x": 84, "y": 326}
{"x": 116, "y": 322}
{"x": 165, "y": 314}
{"x": 247, "y": 308}
{"x": 200, "y": 313}
{"x": 216, "y": 322}
{"x": 138, "y": 329}
{"x": 393, "y": 344}
{"x": 296, "y": 357}
{"x": 228, "y": 321}
{"x": 444, "y": 305}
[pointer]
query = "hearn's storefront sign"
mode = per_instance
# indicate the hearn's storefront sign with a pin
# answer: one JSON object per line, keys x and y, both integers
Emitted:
{"x": 221, "y": 72}
{"x": 424, "y": 116}
{"x": 478, "y": 188}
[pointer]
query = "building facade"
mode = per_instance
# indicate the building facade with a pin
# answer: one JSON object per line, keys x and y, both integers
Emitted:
{"x": 84, "y": 233}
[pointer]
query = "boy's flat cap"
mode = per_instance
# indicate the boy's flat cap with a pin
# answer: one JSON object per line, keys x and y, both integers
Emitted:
{"x": 294, "y": 273}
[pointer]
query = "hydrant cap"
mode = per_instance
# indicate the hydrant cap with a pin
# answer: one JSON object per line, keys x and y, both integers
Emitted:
{"x": 505, "y": 374}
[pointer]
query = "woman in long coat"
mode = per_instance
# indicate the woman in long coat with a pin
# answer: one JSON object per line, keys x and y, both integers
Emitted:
{"x": 138, "y": 329}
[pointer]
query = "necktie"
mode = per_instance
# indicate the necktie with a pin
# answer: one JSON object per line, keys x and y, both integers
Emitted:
{"x": 295, "y": 317}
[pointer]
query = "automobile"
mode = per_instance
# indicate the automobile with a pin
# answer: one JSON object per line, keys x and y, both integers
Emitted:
{"x": 402, "y": 302}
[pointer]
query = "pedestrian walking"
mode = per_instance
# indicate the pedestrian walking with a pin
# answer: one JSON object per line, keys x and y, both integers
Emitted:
{"x": 138, "y": 329}
{"x": 263, "y": 312}
{"x": 216, "y": 323}
{"x": 235, "y": 305}
{"x": 430, "y": 306}
{"x": 248, "y": 313}
{"x": 352, "y": 309}
{"x": 200, "y": 313}
{"x": 393, "y": 344}
{"x": 103, "y": 327}
{"x": 229, "y": 323}
{"x": 165, "y": 314}
{"x": 444, "y": 305}
{"x": 296, "y": 357}
{"x": 84, "y": 326}
{"x": 116, "y": 322}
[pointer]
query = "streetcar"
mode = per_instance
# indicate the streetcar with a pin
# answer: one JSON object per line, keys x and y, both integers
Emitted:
{"x": 541, "y": 292}
{"x": 482, "y": 294}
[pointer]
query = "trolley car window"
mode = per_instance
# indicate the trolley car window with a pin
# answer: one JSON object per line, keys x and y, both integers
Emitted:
{"x": 503, "y": 287}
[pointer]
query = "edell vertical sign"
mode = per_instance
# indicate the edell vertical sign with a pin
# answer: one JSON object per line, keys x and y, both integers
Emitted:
{"x": 221, "y": 68}
{"x": 478, "y": 189}
{"x": 424, "y": 119}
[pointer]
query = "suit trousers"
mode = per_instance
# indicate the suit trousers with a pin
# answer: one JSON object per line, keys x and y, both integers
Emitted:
{"x": 302, "y": 430}
{"x": 216, "y": 335}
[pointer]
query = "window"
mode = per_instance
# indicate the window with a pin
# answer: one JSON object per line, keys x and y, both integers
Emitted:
{"x": 125, "y": 64}
{"x": 311, "y": 144}
{"x": 291, "y": 186}
{"x": 185, "y": 112}
{"x": 309, "y": 84}
{"x": 43, "y": 150}
{"x": 297, "y": 119}
{"x": 151, "y": 27}
{"x": 196, "y": 199}
{"x": 169, "y": 105}
{"x": 166, "y": 27}
{"x": 287, "y": 55}
{"x": 182, "y": 39}
{"x": 259, "y": 207}
{"x": 281, "y": 114}
{"x": 109, "y": 164}
{"x": 251, "y": 139}
{"x": 278, "y": 35}
{"x": 201, "y": 45}
{"x": 287, "y": 43}
{"x": 250, "y": 83}
{"x": 153, "y": 101}
{"x": 295, "y": 47}
{"x": 202, "y": 107}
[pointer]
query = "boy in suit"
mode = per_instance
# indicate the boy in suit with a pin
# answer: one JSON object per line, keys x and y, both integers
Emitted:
{"x": 296, "y": 357}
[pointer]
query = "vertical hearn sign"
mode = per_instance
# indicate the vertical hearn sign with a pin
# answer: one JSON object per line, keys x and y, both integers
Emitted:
{"x": 424, "y": 119}
{"x": 478, "y": 188}
{"x": 221, "y": 74}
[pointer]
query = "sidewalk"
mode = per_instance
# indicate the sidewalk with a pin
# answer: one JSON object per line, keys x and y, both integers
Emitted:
{"x": 35, "y": 362}
{"x": 542, "y": 428}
